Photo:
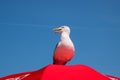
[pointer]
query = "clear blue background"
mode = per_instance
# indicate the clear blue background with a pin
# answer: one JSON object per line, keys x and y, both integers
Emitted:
{"x": 27, "y": 40}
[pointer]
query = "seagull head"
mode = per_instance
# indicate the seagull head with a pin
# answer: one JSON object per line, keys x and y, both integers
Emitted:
{"x": 62, "y": 29}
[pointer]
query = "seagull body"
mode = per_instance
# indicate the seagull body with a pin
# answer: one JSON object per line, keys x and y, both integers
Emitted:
{"x": 64, "y": 50}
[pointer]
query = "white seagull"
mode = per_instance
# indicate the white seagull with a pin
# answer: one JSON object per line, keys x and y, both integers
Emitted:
{"x": 64, "y": 50}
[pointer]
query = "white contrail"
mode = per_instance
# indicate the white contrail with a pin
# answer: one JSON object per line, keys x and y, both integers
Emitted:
{"x": 40, "y": 26}
{"x": 76, "y": 27}
{"x": 28, "y": 25}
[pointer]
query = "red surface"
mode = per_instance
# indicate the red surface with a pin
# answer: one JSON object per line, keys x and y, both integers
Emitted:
{"x": 60, "y": 72}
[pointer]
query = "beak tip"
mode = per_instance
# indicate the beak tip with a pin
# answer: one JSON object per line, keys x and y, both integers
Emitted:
{"x": 53, "y": 29}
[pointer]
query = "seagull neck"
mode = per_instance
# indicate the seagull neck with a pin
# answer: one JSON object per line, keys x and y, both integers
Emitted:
{"x": 64, "y": 36}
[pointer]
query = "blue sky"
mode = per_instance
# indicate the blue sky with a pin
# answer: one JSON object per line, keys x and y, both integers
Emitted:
{"x": 27, "y": 40}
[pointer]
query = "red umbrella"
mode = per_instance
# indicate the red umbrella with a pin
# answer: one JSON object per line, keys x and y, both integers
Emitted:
{"x": 61, "y": 72}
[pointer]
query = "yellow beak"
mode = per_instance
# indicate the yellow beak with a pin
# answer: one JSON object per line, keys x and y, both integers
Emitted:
{"x": 56, "y": 29}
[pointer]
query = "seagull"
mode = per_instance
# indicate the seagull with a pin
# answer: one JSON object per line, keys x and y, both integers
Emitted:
{"x": 64, "y": 50}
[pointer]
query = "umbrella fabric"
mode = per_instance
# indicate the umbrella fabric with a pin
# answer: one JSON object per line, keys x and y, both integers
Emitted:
{"x": 61, "y": 72}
